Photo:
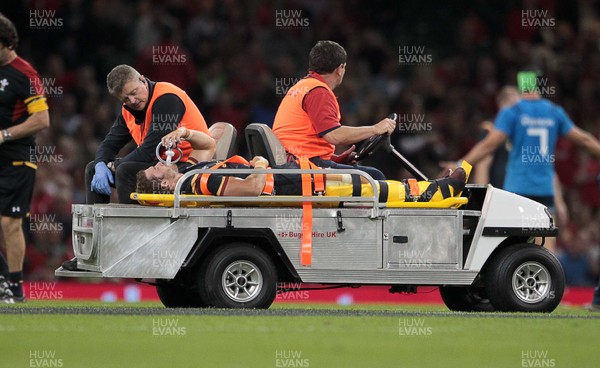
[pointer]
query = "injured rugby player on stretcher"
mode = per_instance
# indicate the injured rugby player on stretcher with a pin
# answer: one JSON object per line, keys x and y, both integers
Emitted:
{"x": 162, "y": 178}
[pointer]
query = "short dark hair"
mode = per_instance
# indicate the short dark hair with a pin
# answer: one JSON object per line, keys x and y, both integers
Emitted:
{"x": 150, "y": 186}
{"x": 325, "y": 56}
{"x": 118, "y": 77}
{"x": 8, "y": 33}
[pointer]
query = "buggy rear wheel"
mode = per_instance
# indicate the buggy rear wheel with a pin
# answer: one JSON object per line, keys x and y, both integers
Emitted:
{"x": 466, "y": 299}
{"x": 174, "y": 295}
{"x": 238, "y": 275}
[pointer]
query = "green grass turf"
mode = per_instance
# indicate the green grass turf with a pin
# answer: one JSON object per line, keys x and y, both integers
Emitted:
{"x": 416, "y": 336}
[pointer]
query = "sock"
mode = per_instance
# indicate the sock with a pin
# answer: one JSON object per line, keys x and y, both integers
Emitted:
{"x": 3, "y": 266}
{"x": 15, "y": 283}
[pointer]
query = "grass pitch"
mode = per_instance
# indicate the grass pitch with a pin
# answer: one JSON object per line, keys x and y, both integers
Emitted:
{"x": 67, "y": 334}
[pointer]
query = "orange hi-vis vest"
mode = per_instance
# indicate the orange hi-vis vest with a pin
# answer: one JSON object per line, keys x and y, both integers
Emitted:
{"x": 293, "y": 127}
{"x": 192, "y": 119}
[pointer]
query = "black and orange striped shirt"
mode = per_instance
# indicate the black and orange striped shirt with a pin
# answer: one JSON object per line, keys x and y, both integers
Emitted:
{"x": 21, "y": 94}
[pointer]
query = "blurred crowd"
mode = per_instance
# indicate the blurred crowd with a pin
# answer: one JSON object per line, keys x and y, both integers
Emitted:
{"x": 236, "y": 59}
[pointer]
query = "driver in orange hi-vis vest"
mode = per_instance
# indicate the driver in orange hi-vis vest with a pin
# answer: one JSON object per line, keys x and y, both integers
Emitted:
{"x": 308, "y": 119}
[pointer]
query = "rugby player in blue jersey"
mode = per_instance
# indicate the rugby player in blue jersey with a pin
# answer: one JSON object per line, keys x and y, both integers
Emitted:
{"x": 533, "y": 126}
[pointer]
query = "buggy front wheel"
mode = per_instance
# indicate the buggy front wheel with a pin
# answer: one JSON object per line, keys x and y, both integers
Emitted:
{"x": 525, "y": 278}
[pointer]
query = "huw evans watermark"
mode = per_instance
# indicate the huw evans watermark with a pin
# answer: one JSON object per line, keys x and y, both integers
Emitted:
{"x": 47, "y": 86}
{"x": 289, "y": 223}
{"x": 536, "y": 358}
{"x": 283, "y": 85}
{"x": 414, "y": 258}
{"x": 536, "y": 155}
{"x": 413, "y": 327}
{"x": 292, "y": 150}
{"x": 540, "y": 85}
{"x": 44, "y": 291}
{"x": 291, "y": 19}
{"x": 45, "y": 155}
{"x": 290, "y": 358}
{"x": 291, "y": 291}
{"x": 413, "y": 123}
{"x": 413, "y": 55}
{"x": 167, "y": 327}
{"x": 44, "y": 358}
{"x": 44, "y": 19}
{"x": 45, "y": 223}
{"x": 165, "y": 122}
{"x": 168, "y": 55}
{"x": 158, "y": 188}
{"x": 536, "y": 18}
{"x": 534, "y": 220}
{"x": 166, "y": 258}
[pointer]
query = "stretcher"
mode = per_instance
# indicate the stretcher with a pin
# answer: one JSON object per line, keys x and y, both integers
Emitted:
{"x": 333, "y": 194}
{"x": 186, "y": 200}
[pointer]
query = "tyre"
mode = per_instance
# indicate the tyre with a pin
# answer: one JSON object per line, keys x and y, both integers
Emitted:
{"x": 174, "y": 295}
{"x": 466, "y": 299}
{"x": 238, "y": 275}
{"x": 525, "y": 278}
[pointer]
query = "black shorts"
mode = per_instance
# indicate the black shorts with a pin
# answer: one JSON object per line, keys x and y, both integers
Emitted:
{"x": 16, "y": 189}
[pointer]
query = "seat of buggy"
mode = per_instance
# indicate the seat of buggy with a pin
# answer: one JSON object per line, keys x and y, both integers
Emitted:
{"x": 225, "y": 136}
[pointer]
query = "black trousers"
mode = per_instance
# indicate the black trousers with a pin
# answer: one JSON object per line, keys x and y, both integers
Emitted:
{"x": 375, "y": 173}
{"x": 124, "y": 182}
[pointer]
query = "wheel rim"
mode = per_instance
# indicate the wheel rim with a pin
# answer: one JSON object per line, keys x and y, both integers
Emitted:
{"x": 531, "y": 282}
{"x": 242, "y": 281}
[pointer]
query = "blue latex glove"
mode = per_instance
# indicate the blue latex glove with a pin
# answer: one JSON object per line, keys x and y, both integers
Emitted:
{"x": 102, "y": 177}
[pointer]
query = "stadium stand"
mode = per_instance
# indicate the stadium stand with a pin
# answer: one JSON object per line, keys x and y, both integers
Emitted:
{"x": 236, "y": 60}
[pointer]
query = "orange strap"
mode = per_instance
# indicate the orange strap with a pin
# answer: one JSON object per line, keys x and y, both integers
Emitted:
{"x": 306, "y": 247}
{"x": 319, "y": 180}
{"x": 269, "y": 185}
{"x": 414, "y": 187}
{"x": 204, "y": 179}
{"x": 267, "y": 189}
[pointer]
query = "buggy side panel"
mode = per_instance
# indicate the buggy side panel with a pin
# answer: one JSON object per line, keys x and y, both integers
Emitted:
{"x": 136, "y": 242}
{"x": 160, "y": 257}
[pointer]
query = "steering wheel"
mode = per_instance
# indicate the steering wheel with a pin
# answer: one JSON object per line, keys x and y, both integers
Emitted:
{"x": 374, "y": 143}
{"x": 169, "y": 153}
{"x": 371, "y": 145}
